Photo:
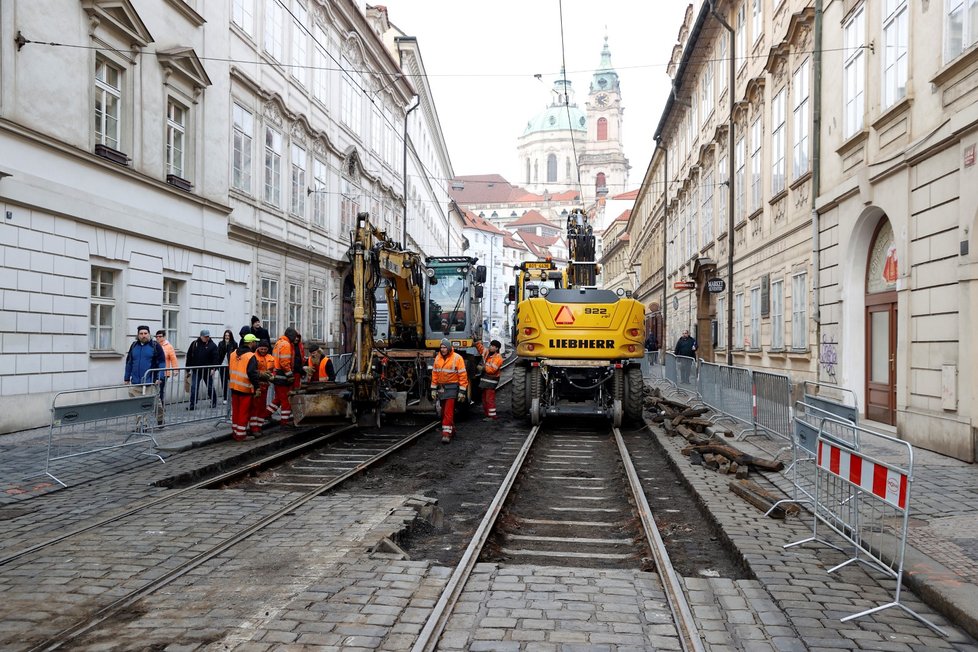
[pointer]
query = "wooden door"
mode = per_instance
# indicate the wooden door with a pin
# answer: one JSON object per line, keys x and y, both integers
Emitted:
{"x": 881, "y": 342}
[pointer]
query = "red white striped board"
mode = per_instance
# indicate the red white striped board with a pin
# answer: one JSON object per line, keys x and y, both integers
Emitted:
{"x": 883, "y": 482}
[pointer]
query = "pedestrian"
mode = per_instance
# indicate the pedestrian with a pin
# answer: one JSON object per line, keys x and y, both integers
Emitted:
{"x": 170, "y": 357}
{"x": 225, "y": 348}
{"x": 449, "y": 383}
{"x": 201, "y": 361}
{"x": 284, "y": 378}
{"x": 686, "y": 350}
{"x": 258, "y": 330}
{"x": 492, "y": 366}
{"x": 266, "y": 368}
{"x": 243, "y": 378}
{"x": 651, "y": 342}
{"x": 143, "y": 358}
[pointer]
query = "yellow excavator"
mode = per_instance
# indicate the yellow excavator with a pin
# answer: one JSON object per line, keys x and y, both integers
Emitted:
{"x": 579, "y": 347}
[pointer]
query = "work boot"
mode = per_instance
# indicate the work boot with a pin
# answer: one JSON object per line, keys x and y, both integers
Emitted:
{"x": 446, "y": 439}
{"x": 238, "y": 437}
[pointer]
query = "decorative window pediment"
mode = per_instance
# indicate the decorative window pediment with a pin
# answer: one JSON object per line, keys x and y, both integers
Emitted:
{"x": 183, "y": 62}
{"x": 121, "y": 16}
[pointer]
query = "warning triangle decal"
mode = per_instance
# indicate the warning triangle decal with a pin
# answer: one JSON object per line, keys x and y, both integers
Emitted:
{"x": 564, "y": 316}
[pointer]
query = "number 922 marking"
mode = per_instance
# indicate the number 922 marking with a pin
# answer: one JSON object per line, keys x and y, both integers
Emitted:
{"x": 595, "y": 311}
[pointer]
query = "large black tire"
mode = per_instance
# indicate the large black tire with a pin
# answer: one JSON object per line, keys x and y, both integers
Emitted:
{"x": 632, "y": 399}
{"x": 520, "y": 402}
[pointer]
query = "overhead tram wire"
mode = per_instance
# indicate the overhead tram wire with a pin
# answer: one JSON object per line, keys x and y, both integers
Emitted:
{"x": 570, "y": 126}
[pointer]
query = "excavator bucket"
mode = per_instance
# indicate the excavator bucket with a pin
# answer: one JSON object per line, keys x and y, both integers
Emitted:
{"x": 321, "y": 403}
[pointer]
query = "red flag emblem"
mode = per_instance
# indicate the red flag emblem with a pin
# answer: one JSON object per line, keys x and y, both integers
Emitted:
{"x": 564, "y": 316}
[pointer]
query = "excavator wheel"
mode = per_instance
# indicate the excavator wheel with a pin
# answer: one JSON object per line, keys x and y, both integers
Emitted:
{"x": 632, "y": 399}
{"x": 519, "y": 393}
{"x": 536, "y": 409}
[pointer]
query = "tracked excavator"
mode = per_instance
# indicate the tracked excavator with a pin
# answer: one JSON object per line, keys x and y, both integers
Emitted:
{"x": 427, "y": 299}
{"x": 579, "y": 347}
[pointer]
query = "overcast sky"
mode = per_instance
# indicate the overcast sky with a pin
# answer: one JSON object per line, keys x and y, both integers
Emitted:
{"x": 481, "y": 58}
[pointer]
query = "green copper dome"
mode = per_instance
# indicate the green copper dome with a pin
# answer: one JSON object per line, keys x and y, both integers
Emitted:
{"x": 562, "y": 114}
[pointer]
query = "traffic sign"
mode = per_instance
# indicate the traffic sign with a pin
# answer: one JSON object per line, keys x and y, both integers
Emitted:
{"x": 716, "y": 285}
{"x": 684, "y": 285}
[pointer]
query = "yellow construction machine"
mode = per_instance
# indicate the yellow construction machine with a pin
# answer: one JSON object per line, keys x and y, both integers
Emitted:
{"x": 579, "y": 347}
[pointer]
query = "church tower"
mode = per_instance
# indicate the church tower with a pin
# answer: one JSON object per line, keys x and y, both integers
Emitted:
{"x": 604, "y": 168}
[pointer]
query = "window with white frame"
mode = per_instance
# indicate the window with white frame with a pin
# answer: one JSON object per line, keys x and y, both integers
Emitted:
{"x": 274, "y": 29}
{"x": 317, "y": 313}
{"x": 244, "y": 127}
{"x": 853, "y": 72}
{"x": 738, "y": 320}
{"x": 757, "y": 18}
{"x": 895, "y": 47}
{"x": 755, "y": 164}
{"x": 961, "y": 29}
{"x": 721, "y": 322}
{"x": 299, "y": 45}
{"x": 694, "y": 222}
{"x": 320, "y": 73}
{"x": 320, "y": 193}
{"x": 722, "y": 174}
{"x": 102, "y": 310}
{"x": 176, "y": 138}
{"x": 740, "y": 38}
{"x": 778, "y": 140}
{"x": 349, "y": 94}
{"x": 800, "y": 130}
{"x": 706, "y": 91}
{"x": 295, "y": 306}
{"x": 273, "y": 166}
{"x": 390, "y": 140}
{"x": 707, "y": 212}
{"x": 755, "y": 318}
{"x": 297, "y": 204}
{"x": 108, "y": 103}
{"x": 349, "y": 205}
{"x": 723, "y": 63}
{"x": 799, "y": 311}
{"x": 243, "y": 15}
{"x": 739, "y": 174}
{"x": 268, "y": 304}
{"x": 171, "y": 309}
{"x": 777, "y": 314}
{"x": 683, "y": 242}
{"x": 376, "y": 131}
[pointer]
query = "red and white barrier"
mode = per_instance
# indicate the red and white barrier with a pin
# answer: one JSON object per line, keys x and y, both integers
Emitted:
{"x": 880, "y": 480}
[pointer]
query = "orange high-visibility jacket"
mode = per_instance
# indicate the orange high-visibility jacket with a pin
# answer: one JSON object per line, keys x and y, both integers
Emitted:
{"x": 265, "y": 363}
{"x": 493, "y": 361}
{"x": 283, "y": 354}
{"x": 323, "y": 373}
{"x": 449, "y": 373}
{"x": 238, "y": 379}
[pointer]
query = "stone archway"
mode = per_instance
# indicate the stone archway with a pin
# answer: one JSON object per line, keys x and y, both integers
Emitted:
{"x": 703, "y": 270}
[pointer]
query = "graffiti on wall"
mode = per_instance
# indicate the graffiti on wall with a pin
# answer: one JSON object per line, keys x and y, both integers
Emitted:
{"x": 828, "y": 357}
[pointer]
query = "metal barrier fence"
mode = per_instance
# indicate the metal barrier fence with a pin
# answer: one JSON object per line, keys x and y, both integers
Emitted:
{"x": 341, "y": 365}
{"x": 863, "y": 496}
{"x": 681, "y": 371}
{"x": 651, "y": 366}
{"x": 728, "y": 390}
{"x": 192, "y": 394}
{"x": 772, "y": 404}
{"x": 88, "y": 421}
{"x": 836, "y": 400}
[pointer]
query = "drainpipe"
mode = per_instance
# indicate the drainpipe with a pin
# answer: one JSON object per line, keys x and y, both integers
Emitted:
{"x": 816, "y": 164}
{"x": 416, "y": 104}
{"x": 731, "y": 83}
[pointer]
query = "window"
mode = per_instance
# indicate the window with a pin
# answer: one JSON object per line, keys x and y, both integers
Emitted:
{"x": 799, "y": 311}
{"x": 739, "y": 179}
{"x": 320, "y": 193}
{"x": 297, "y": 205}
{"x": 755, "y": 318}
{"x": 567, "y": 168}
{"x": 756, "y": 21}
{"x": 243, "y": 15}
{"x": 682, "y": 249}
{"x": 376, "y": 131}
{"x": 102, "y": 309}
{"x": 755, "y": 165}
{"x": 707, "y": 212}
{"x": 268, "y": 305}
{"x": 176, "y": 138}
{"x": 721, "y": 322}
{"x": 602, "y": 129}
{"x": 693, "y": 217}
{"x": 318, "y": 313}
{"x": 551, "y": 168}
{"x": 895, "y": 45}
{"x": 299, "y": 44}
{"x": 171, "y": 308}
{"x": 724, "y": 62}
{"x": 349, "y": 206}
{"x": 274, "y": 28}
{"x": 528, "y": 170}
{"x": 738, "y": 320}
{"x": 295, "y": 306}
{"x": 777, "y": 314}
{"x": 244, "y": 125}
{"x": 600, "y": 183}
{"x": 350, "y": 95}
{"x": 273, "y": 166}
{"x": 853, "y": 73}
{"x": 962, "y": 27}
{"x": 706, "y": 91}
{"x": 108, "y": 103}
{"x": 722, "y": 174}
{"x": 320, "y": 73}
{"x": 739, "y": 36}
{"x": 799, "y": 91}
{"x": 778, "y": 139}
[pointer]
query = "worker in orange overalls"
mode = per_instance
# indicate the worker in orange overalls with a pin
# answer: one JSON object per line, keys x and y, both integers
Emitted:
{"x": 319, "y": 368}
{"x": 492, "y": 367}
{"x": 242, "y": 380}
{"x": 266, "y": 370}
{"x": 284, "y": 378}
{"x": 449, "y": 383}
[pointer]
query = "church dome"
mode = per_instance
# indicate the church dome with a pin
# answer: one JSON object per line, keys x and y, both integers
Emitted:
{"x": 555, "y": 118}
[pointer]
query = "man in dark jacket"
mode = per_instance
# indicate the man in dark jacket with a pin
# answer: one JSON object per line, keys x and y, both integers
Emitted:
{"x": 202, "y": 358}
{"x": 651, "y": 342}
{"x": 686, "y": 348}
{"x": 144, "y": 356}
{"x": 258, "y": 330}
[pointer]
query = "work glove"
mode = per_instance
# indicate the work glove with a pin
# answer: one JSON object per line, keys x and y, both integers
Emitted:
{"x": 265, "y": 375}
{"x": 481, "y": 368}
{"x": 434, "y": 394}
{"x": 461, "y": 397}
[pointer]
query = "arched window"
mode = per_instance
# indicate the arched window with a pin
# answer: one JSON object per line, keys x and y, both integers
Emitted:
{"x": 599, "y": 182}
{"x": 528, "y": 170}
{"x": 551, "y": 168}
{"x": 536, "y": 170}
{"x": 602, "y": 128}
{"x": 567, "y": 172}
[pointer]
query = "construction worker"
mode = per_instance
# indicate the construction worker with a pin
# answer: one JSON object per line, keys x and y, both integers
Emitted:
{"x": 449, "y": 383}
{"x": 492, "y": 367}
{"x": 243, "y": 378}
{"x": 266, "y": 370}
{"x": 319, "y": 368}
{"x": 284, "y": 378}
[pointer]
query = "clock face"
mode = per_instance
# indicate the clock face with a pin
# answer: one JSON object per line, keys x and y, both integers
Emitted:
{"x": 602, "y": 99}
